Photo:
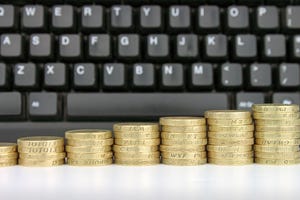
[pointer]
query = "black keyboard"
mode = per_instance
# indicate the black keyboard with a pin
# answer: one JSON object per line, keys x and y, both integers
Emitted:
{"x": 68, "y": 64}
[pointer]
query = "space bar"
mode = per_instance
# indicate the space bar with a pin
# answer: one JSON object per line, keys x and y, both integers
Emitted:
{"x": 113, "y": 106}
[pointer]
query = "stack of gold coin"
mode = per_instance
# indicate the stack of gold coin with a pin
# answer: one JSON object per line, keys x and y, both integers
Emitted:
{"x": 90, "y": 147}
{"x": 8, "y": 154}
{"x": 277, "y": 134}
{"x": 230, "y": 137}
{"x": 136, "y": 144}
{"x": 183, "y": 141}
{"x": 41, "y": 151}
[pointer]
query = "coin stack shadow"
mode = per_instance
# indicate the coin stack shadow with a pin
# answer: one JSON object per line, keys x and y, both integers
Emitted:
{"x": 230, "y": 137}
{"x": 277, "y": 134}
{"x": 41, "y": 151}
{"x": 8, "y": 154}
{"x": 89, "y": 147}
{"x": 183, "y": 141}
{"x": 136, "y": 144}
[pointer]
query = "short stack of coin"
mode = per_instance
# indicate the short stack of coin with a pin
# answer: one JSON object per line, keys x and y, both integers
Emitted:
{"x": 183, "y": 141}
{"x": 90, "y": 147}
{"x": 8, "y": 154}
{"x": 136, "y": 143}
{"x": 230, "y": 137}
{"x": 277, "y": 134}
{"x": 41, "y": 151}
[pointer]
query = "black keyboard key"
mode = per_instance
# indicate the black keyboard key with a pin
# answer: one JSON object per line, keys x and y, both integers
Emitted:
{"x": 129, "y": 46}
{"x": 202, "y": 76}
{"x": 245, "y": 48}
{"x": 215, "y": 47}
{"x": 4, "y": 76}
{"x": 8, "y": 18}
{"x": 10, "y": 105}
{"x": 99, "y": 47}
{"x": 92, "y": 18}
{"x": 26, "y": 76}
{"x": 70, "y": 47}
{"x": 286, "y": 98}
{"x": 158, "y": 47}
{"x": 85, "y": 76}
{"x": 244, "y": 100}
{"x": 121, "y": 18}
{"x": 260, "y": 76}
{"x": 41, "y": 46}
{"x": 144, "y": 76}
{"x": 231, "y": 76}
{"x": 267, "y": 19}
{"x": 12, "y": 46}
{"x": 151, "y": 18}
{"x": 172, "y": 76}
{"x": 209, "y": 19}
{"x": 179, "y": 18}
{"x": 238, "y": 19}
{"x": 63, "y": 18}
{"x": 274, "y": 47}
{"x": 84, "y": 106}
{"x": 291, "y": 18}
{"x": 55, "y": 76}
{"x": 187, "y": 47}
{"x": 114, "y": 76}
{"x": 43, "y": 106}
{"x": 34, "y": 18}
{"x": 295, "y": 47}
{"x": 289, "y": 76}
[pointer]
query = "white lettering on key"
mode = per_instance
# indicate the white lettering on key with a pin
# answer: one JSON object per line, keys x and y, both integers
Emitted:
{"x": 80, "y": 70}
{"x": 87, "y": 11}
{"x": 240, "y": 41}
{"x": 2, "y": 11}
{"x": 20, "y": 69}
{"x": 94, "y": 40}
{"x": 262, "y": 11}
{"x": 30, "y": 11}
{"x": 124, "y": 41}
{"x": 6, "y": 41}
{"x": 50, "y": 69}
{"x": 65, "y": 40}
{"x": 234, "y": 12}
{"x": 198, "y": 69}
{"x": 117, "y": 10}
{"x": 109, "y": 69}
{"x": 182, "y": 41}
{"x": 153, "y": 40}
{"x": 211, "y": 40}
{"x": 139, "y": 70}
{"x": 57, "y": 12}
{"x": 35, "y": 40}
{"x": 147, "y": 11}
{"x": 168, "y": 69}
{"x": 35, "y": 104}
{"x": 175, "y": 12}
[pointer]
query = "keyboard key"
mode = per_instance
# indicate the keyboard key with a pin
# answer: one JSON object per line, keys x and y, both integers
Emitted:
{"x": 202, "y": 76}
{"x": 289, "y": 76}
{"x": 187, "y": 47}
{"x": 85, "y": 76}
{"x": 84, "y": 106}
{"x": 4, "y": 76}
{"x": 12, "y": 46}
{"x": 209, "y": 19}
{"x": 274, "y": 47}
{"x": 114, "y": 76}
{"x": 10, "y": 105}
{"x": 245, "y": 48}
{"x": 121, "y": 18}
{"x": 143, "y": 76}
{"x": 158, "y": 47}
{"x": 291, "y": 18}
{"x": 41, "y": 46}
{"x": 70, "y": 47}
{"x": 260, "y": 76}
{"x": 129, "y": 46}
{"x": 55, "y": 76}
{"x": 92, "y": 18}
{"x": 267, "y": 19}
{"x": 244, "y": 101}
{"x": 295, "y": 47}
{"x": 8, "y": 18}
{"x": 179, "y": 18}
{"x": 215, "y": 47}
{"x": 33, "y": 18}
{"x": 231, "y": 76}
{"x": 99, "y": 47}
{"x": 43, "y": 106}
{"x": 286, "y": 98}
{"x": 238, "y": 19}
{"x": 26, "y": 76}
{"x": 172, "y": 76}
{"x": 151, "y": 18}
{"x": 63, "y": 18}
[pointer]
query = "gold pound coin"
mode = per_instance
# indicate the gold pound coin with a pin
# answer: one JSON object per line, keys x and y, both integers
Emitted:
{"x": 226, "y": 155}
{"x": 76, "y": 142}
{"x": 136, "y": 127}
{"x": 137, "y": 162}
{"x": 130, "y": 142}
{"x": 138, "y": 148}
{"x": 89, "y": 162}
{"x": 183, "y": 136}
{"x": 41, "y": 163}
{"x": 41, "y": 150}
{"x": 8, "y": 147}
{"x": 267, "y": 161}
{"x": 229, "y": 148}
{"x": 13, "y": 155}
{"x": 230, "y": 135}
{"x": 40, "y": 141}
{"x": 292, "y": 116}
{"x": 88, "y": 149}
{"x": 279, "y": 142}
{"x": 184, "y": 162}
{"x": 227, "y": 114}
{"x": 288, "y": 156}
{"x": 277, "y": 122}
{"x": 246, "y": 161}
{"x": 89, "y": 134}
{"x": 184, "y": 155}
{"x": 136, "y": 135}
{"x": 277, "y": 135}
{"x": 9, "y": 163}
{"x": 229, "y": 122}
{"x": 231, "y": 142}
{"x": 276, "y": 149}
{"x": 275, "y": 108}
{"x": 103, "y": 155}
{"x": 245, "y": 128}
{"x": 182, "y": 121}
{"x": 184, "y": 142}
{"x": 182, "y": 148}
{"x": 278, "y": 128}
{"x": 43, "y": 156}
{"x": 130, "y": 155}
{"x": 184, "y": 129}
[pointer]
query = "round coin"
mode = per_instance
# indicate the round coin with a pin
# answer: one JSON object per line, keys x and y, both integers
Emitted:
{"x": 12, "y": 155}
{"x": 39, "y": 163}
{"x": 288, "y": 155}
{"x": 184, "y": 142}
{"x": 245, "y": 161}
{"x": 278, "y": 128}
{"x": 136, "y": 127}
{"x": 137, "y": 162}
{"x": 76, "y": 142}
{"x": 230, "y": 135}
{"x": 136, "y": 135}
{"x": 225, "y": 155}
{"x": 40, "y": 141}
{"x": 229, "y": 148}
{"x": 184, "y": 129}
{"x": 8, "y": 147}
{"x": 231, "y": 142}
{"x": 89, "y": 162}
{"x": 88, "y": 149}
{"x": 103, "y": 155}
{"x": 268, "y": 161}
{"x": 278, "y": 122}
{"x": 9, "y": 163}
{"x": 229, "y": 122}
{"x": 182, "y": 121}
{"x": 184, "y": 155}
{"x": 184, "y": 162}
{"x": 275, "y": 142}
{"x": 276, "y": 149}
{"x": 183, "y": 136}
{"x": 245, "y": 128}
{"x": 275, "y": 108}
{"x": 41, "y": 150}
{"x": 277, "y": 135}
{"x": 227, "y": 114}
{"x": 182, "y": 148}
{"x": 43, "y": 156}
{"x": 130, "y": 155}
{"x": 130, "y": 142}
{"x": 292, "y": 116}
{"x": 89, "y": 134}
{"x": 118, "y": 148}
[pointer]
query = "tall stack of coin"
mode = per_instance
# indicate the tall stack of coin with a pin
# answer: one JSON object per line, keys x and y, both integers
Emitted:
{"x": 136, "y": 143}
{"x": 183, "y": 140}
{"x": 277, "y": 134}
{"x": 41, "y": 151}
{"x": 230, "y": 137}
{"x": 8, "y": 154}
{"x": 91, "y": 147}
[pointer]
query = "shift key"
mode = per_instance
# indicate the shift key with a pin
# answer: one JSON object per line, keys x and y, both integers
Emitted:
{"x": 10, "y": 105}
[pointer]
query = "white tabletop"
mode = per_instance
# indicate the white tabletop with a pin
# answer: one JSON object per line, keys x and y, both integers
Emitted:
{"x": 157, "y": 182}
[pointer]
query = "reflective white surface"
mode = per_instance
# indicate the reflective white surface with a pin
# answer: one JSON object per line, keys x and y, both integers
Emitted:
{"x": 157, "y": 182}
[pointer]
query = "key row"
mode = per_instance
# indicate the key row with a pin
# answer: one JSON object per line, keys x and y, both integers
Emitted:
{"x": 149, "y": 18}
{"x": 155, "y": 47}
{"x": 147, "y": 76}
